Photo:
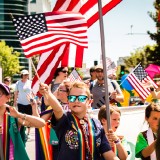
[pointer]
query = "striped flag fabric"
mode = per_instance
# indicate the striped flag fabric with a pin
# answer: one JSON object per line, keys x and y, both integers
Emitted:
{"x": 40, "y": 33}
{"x": 136, "y": 78}
{"x": 111, "y": 66}
{"x": 74, "y": 76}
{"x": 71, "y": 58}
{"x": 89, "y": 8}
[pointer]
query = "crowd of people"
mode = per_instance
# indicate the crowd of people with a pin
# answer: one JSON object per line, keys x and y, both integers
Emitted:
{"x": 66, "y": 111}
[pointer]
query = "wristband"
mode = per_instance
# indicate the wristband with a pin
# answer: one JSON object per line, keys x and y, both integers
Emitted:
{"x": 152, "y": 89}
{"x": 24, "y": 119}
{"x": 117, "y": 141}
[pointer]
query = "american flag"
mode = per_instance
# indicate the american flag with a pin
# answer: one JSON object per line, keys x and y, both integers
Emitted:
{"x": 111, "y": 66}
{"x": 40, "y": 33}
{"x": 74, "y": 76}
{"x": 136, "y": 78}
{"x": 70, "y": 56}
{"x": 89, "y": 8}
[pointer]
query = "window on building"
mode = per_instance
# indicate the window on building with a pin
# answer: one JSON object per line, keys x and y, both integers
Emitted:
{"x": 33, "y": 1}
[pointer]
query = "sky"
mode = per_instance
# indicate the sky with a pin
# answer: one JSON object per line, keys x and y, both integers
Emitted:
{"x": 130, "y": 16}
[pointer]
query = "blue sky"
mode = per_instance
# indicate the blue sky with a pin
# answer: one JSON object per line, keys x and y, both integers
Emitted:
{"x": 117, "y": 25}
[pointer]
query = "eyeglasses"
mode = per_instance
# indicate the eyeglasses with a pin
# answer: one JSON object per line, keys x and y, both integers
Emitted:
{"x": 62, "y": 90}
{"x": 99, "y": 71}
{"x": 81, "y": 98}
{"x": 64, "y": 71}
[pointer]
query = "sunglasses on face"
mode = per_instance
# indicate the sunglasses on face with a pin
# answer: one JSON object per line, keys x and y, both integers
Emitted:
{"x": 81, "y": 98}
{"x": 62, "y": 90}
{"x": 64, "y": 71}
{"x": 99, "y": 71}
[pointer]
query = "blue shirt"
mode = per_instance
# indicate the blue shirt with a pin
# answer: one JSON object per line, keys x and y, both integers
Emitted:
{"x": 69, "y": 142}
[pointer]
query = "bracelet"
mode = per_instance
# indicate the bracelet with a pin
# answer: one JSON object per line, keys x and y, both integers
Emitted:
{"x": 117, "y": 141}
{"x": 152, "y": 89}
{"x": 24, "y": 119}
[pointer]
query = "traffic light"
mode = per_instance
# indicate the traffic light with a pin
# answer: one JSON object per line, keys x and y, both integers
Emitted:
{"x": 122, "y": 72}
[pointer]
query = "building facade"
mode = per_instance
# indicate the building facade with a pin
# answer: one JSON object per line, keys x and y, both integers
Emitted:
{"x": 9, "y": 8}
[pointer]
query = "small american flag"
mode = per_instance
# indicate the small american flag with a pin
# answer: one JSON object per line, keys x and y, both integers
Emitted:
{"x": 111, "y": 66}
{"x": 74, "y": 76}
{"x": 136, "y": 79}
{"x": 40, "y": 33}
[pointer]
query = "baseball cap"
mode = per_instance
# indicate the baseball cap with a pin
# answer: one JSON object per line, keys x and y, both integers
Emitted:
{"x": 5, "y": 88}
{"x": 99, "y": 67}
{"x": 24, "y": 72}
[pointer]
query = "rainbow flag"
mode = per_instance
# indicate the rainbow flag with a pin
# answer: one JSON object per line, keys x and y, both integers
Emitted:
{"x": 42, "y": 136}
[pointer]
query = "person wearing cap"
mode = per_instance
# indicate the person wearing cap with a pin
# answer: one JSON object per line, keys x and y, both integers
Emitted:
{"x": 98, "y": 90}
{"x": 22, "y": 89}
{"x": 12, "y": 130}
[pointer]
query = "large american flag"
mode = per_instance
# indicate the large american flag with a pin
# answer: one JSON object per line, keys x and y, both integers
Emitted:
{"x": 40, "y": 33}
{"x": 70, "y": 56}
{"x": 74, "y": 76}
{"x": 89, "y": 8}
{"x": 136, "y": 78}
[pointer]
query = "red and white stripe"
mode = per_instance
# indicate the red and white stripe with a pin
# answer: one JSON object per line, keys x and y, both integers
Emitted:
{"x": 85, "y": 7}
{"x": 138, "y": 85}
{"x": 63, "y": 27}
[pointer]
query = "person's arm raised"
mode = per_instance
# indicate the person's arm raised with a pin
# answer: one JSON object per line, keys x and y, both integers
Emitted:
{"x": 52, "y": 100}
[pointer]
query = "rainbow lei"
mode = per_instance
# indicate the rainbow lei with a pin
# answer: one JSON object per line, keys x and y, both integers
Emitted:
{"x": 81, "y": 136}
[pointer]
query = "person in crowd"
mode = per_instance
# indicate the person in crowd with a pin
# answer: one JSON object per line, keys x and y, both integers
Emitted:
{"x": 98, "y": 90}
{"x": 61, "y": 94}
{"x": 80, "y": 137}
{"x": 12, "y": 130}
{"x": 22, "y": 88}
{"x": 155, "y": 92}
{"x": 92, "y": 72}
{"x": 7, "y": 81}
{"x": 145, "y": 145}
{"x": 60, "y": 75}
{"x": 118, "y": 143}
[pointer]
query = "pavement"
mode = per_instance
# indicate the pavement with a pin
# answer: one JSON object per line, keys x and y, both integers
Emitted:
{"x": 30, "y": 145}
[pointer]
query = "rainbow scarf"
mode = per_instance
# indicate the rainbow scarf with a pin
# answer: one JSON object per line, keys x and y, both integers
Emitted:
{"x": 91, "y": 138}
{"x": 6, "y": 136}
{"x": 43, "y": 147}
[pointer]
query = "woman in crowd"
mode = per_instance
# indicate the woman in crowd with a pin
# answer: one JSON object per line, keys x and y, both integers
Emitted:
{"x": 60, "y": 75}
{"x": 12, "y": 130}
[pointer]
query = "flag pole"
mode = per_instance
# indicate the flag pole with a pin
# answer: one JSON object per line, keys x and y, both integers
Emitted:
{"x": 104, "y": 63}
{"x": 30, "y": 59}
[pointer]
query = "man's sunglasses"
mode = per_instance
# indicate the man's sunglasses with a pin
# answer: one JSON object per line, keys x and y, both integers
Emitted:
{"x": 62, "y": 90}
{"x": 99, "y": 71}
{"x": 64, "y": 71}
{"x": 81, "y": 98}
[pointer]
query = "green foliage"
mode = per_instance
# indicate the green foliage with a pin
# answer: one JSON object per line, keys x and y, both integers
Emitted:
{"x": 8, "y": 60}
{"x": 140, "y": 55}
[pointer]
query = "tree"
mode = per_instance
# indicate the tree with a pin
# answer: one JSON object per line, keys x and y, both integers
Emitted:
{"x": 8, "y": 60}
{"x": 155, "y": 54}
{"x": 139, "y": 55}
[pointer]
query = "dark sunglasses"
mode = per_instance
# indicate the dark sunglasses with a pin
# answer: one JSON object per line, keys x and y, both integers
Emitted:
{"x": 99, "y": 71}
{"x": 62, "y": 90}
{"x": 64, "y": 71}
{"x": 81, "y": 98}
